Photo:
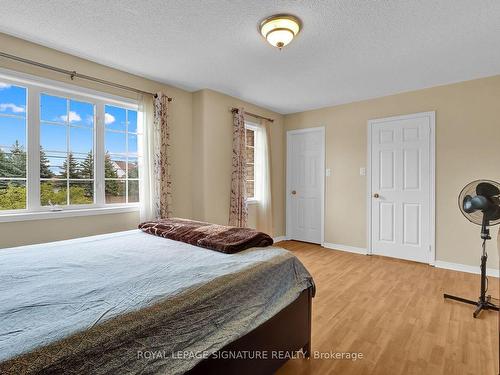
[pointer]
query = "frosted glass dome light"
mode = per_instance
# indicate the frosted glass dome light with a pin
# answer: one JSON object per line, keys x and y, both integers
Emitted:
{"x": 280, "y": 30}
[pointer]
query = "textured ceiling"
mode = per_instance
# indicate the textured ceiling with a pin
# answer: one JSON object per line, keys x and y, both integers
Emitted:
{"x": 348, "y": 50}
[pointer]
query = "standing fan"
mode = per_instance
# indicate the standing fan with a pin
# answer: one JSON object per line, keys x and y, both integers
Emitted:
{"x": 479, "y": 202}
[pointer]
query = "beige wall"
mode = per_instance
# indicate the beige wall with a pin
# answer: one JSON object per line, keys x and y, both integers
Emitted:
{"x": 39, "y": 231}
{"x": 212, "y": 142}
{"x": 16, "y": 233}
{"x": 200, "y": 150}
{"x": 467, "y": 148}
{"x": 201, "y": 155}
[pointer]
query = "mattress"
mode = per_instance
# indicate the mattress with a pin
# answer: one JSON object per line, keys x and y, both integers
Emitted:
{"x": 130, "y": 302}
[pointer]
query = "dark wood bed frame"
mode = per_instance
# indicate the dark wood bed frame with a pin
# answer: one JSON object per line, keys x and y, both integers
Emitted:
{"x": 278, "y": 338}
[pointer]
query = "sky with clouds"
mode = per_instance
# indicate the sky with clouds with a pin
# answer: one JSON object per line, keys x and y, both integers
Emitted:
{"x": 55, "y": 114}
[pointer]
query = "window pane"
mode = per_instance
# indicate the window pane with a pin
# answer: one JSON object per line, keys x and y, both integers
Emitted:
{"x": 115, "y": 191}
{"x": 250, "y": 154}
{"x": 53, "y": 164}
{"x": 116, "y": 143}
{"x": 53, "y": 137}
{"x": 115, "y": 166}
{"x": 121, "y": 160}
{"x": 132, "y": 143}
{"x": 132, "y": 121}
{"x": 114, "y": 118}
{"x": 60, "y": 160}
{"x": 53, "y": 108}
{"x": 250, "y": 189}
{"x": 12, "y": 130}
{"x": 71, "y": 165}
{"x": 81, "y": 113}
{"x": 12, "y": 194}
{"x": 250, "y": 166}
{"x": 81, "y": 140}
{"x": 250, "y": 137}
{"x": 133, "y": 168}
{"x": 81, "y": 192}
{"x": 133, "y": 191}
{"x": 250, "y": 171}
{"x": 12, "y": 100}
{"x": 13, "y": 162}
{"x": 12, "y": 147}
{"x": 6, "y": 169}
{"x": 53, "y": 192}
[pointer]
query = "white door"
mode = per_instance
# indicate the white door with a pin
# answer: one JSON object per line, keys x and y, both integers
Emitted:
{"x": 305, "y": 184}
{"x": 402, "y": 187}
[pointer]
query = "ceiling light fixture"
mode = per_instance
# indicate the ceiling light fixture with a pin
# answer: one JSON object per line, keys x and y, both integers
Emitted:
{"x": 279, "y": 30}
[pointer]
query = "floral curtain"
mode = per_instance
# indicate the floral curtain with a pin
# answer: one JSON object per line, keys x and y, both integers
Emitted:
{"x": 162, "y": 183}
{"x": 238, "y": 210}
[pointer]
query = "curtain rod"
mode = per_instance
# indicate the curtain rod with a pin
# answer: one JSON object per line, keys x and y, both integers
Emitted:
{"x": 253, "y": 115}
{"x": 73, "y": 74}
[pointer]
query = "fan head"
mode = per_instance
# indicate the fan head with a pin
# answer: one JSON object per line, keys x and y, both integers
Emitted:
{"x": 480, "y": 200}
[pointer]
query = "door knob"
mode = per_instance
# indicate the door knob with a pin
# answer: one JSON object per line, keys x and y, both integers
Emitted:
{"x": 376, "y": 195}
{"x": 294, "y": 192}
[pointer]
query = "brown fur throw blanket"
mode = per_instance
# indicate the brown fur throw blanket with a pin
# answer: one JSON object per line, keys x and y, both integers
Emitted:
{"x": 216, "y": 237}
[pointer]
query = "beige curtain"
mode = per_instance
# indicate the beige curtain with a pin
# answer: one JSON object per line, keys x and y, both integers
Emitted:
{"x": 162, "y": 184}
{"x": 149, "y": 208}
{"x": 238, "y": 210}
{"x": 265, "y": 206}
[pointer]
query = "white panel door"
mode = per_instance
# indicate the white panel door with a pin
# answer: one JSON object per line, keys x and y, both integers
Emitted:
{"x": 401, "y": 177}
{"x": 305, "y": 185}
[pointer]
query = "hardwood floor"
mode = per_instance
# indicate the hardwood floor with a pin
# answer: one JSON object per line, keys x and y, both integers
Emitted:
{"x": 393, "y": 312}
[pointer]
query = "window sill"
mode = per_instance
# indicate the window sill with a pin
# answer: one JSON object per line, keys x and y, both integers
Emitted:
{"x": 252, "y": 201}
{"x": 42, "y": 215}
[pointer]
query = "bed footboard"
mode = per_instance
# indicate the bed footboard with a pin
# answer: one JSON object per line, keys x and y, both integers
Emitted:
{"x": 275, "y": 341}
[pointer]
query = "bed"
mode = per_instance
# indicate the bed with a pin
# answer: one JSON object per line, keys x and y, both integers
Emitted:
{"x": 131, "y": 302}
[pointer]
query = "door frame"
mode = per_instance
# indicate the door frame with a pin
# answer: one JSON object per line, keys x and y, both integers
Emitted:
{"x": 432, "y": 179}
{"x": 289, "y": 133}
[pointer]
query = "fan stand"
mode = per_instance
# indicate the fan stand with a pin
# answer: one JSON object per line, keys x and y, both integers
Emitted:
{"x": 484, "y": 302}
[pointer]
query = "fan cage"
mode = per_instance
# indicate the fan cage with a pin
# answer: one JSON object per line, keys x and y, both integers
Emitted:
{"x": 470, "y": 189}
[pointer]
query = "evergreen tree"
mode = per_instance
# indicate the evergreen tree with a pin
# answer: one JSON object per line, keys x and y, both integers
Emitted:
{"x": 12, "y": 194}
{"x": 4, "y": 169}
{"x": 45, "y": 171}
{"x": 17, "y": 162}
{"x": 87, "y": 171}
{"x": 112, "y": 186}
{"x": 3, "y": 163}
{"x": 70, "y": 166}
{"x": 87, "y": 166}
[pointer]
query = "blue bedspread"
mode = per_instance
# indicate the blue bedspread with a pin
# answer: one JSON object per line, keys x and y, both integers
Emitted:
{"x": 95, "y": 304}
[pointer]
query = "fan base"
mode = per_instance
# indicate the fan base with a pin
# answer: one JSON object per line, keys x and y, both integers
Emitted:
{"x": 484, "y": 301}
{"x": 481, "y": 304}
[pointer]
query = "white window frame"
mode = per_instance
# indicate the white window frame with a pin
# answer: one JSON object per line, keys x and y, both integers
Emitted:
{"x": 257, "y": 172}
{"x": 36, "y": 86}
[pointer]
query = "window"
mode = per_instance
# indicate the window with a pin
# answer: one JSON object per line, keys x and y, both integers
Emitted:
{"x": 121, "y": 168}
{"x": 66, "y": 151}
{"x": 13, "y": 131}
{"x": 253, "y": 161}
{"x": 250, "y": 143}
{"x": 62, "y": 149}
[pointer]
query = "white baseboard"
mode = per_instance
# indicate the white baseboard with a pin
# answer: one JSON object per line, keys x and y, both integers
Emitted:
{"x": 349, "y": 249}
{"x": 279, "y": 238}
{"x": 465, "y": 268}
{"x": 438, "y": 263}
